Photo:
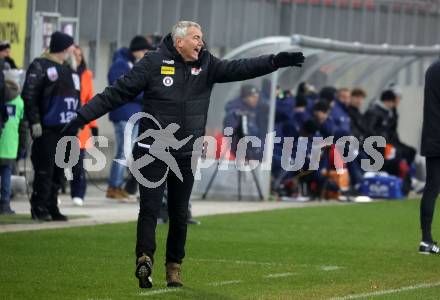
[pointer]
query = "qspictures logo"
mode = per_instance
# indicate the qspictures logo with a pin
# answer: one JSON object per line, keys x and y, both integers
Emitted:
{"x": 303, "y": 153}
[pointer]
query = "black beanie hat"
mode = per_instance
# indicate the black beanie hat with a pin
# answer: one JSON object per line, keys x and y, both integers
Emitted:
{"x": 321, "y": 105}
{"x": 4, "y": 45}
{"x": 388, "y": 95}
{"x": 59, "y": 42}
{"x": 328, "y": 93}
{"x": 140, "y": 43}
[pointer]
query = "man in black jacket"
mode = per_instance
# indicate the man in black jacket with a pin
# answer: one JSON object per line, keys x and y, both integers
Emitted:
{"x": 177, "y": 81}
{"x": 51, "y": 98}
{"x": 358, "y": 126}
{"x": 431, "y": 149}
{"x": 380, "y": 116}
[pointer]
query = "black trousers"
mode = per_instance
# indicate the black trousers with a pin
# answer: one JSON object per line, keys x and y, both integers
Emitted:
{"x": 430, "y": 193}
{"x": 151, "y": 200}
{"x": 48, "y": 177}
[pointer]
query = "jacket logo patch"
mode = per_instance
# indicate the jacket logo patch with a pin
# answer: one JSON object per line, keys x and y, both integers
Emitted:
{"x": 169, "y": 62}
{"x": 196, "y": 71}
{"x": 11, "y": 110}
{"x": 52, "y": 73}
{"x": 168, "y": 81}
{"x": 165, "y": 70}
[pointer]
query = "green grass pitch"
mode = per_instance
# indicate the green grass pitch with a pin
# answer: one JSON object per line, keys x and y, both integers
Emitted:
{"x": 365, "y": 251}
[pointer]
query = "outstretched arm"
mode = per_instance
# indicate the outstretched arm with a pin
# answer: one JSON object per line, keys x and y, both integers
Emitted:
{"x": 248, "y": 68}
{"x": 124, "y": 89}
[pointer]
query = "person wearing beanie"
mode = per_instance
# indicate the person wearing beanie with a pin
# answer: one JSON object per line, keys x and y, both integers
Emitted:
{"x": 5, "y": 54}
{"x": 59, "y": 42}
{"x": 123, "y": 60}
{"x": 379, "y": 120}
{"x": 51, "y": 95}
{"x": 379, "y": 116}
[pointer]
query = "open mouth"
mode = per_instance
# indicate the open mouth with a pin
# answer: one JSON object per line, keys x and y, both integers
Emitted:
{"x": 196, "y": 51}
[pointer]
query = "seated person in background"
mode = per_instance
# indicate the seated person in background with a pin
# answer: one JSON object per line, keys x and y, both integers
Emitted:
{"x": 379, "y": 118}
{"x": 381, "y": 121}
{"x": 358, "y": 130}
{"x": 403, "y": 150}
{"x": 283, "y": 106}
{"x": 344, "y": 96}
{"x": 338, "y": 115}
{"x": 358, "y": 124}
{"x": 321, "y": 117}
{"x": 307, "y": 92}
{"x": 247, "y": 117}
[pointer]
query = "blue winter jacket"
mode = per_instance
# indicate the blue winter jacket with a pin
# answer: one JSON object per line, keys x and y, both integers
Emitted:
{"x": 122, "y": 64}
{"x": 341, "y": 119}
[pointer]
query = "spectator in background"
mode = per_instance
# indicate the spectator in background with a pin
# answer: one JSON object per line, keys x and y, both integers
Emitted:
{"x": 49, "y": 75}
{"x": 322, "y": 120}
{"x": 380, "y": 116}
{"x": 344, "y": 96}
{"x": 78, "y": 184}
{"x": 405, "y": 151}
{"x": 242, "y": 114}
{"x": 338, "y": 111}
{"x": 307, "y": 92}
{"x": 123, "y": 61}
{"x": 358, "y": 124}
{"x": 9, "y": 141}
{"x": 381, "y": 122}
{"x": 5, "y": 53}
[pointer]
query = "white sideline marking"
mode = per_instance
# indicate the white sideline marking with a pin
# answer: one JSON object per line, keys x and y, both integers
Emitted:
{"x": 279, "y": 275}
{"x": 244, "y": 262}
{"x": 161, "y": 291}
{"x": 220, "y": 283}
{"x": 392, "y": 291}
{"x": 329, "y": 268}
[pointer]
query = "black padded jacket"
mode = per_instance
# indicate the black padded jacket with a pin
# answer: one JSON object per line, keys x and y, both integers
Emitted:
{"x": 175, "y": 91}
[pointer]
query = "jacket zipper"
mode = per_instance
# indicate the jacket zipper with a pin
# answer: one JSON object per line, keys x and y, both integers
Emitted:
{"x": 184, "y": 96}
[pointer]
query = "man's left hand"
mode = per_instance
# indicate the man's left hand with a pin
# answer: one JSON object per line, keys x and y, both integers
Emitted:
{"x": 288, "y": 59}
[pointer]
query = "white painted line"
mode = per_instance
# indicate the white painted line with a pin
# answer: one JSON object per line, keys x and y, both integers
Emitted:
{"x": 221, "y": 283}
{"x": 160, "y": 291}
{"x": 329, "y": 268}
{"x": 279, "y": 275}
{"x": 392, "y": 291}
{"x": 244, "y": 262}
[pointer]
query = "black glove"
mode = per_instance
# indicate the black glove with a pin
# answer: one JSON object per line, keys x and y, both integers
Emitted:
{"x": 71, "y": 128}
{"x": 95, "y": 131}
{"x": 288, "y": 59}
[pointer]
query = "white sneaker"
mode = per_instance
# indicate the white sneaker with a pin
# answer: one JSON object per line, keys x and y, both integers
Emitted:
{"x": 78, "y": 201}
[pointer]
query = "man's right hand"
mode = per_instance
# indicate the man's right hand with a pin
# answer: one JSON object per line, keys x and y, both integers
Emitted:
{"x": 71, "y": 128}
{"x": 36, "y": 130}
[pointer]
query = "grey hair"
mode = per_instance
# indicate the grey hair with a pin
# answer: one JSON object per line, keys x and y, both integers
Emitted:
{"x": 180, "y": 29}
